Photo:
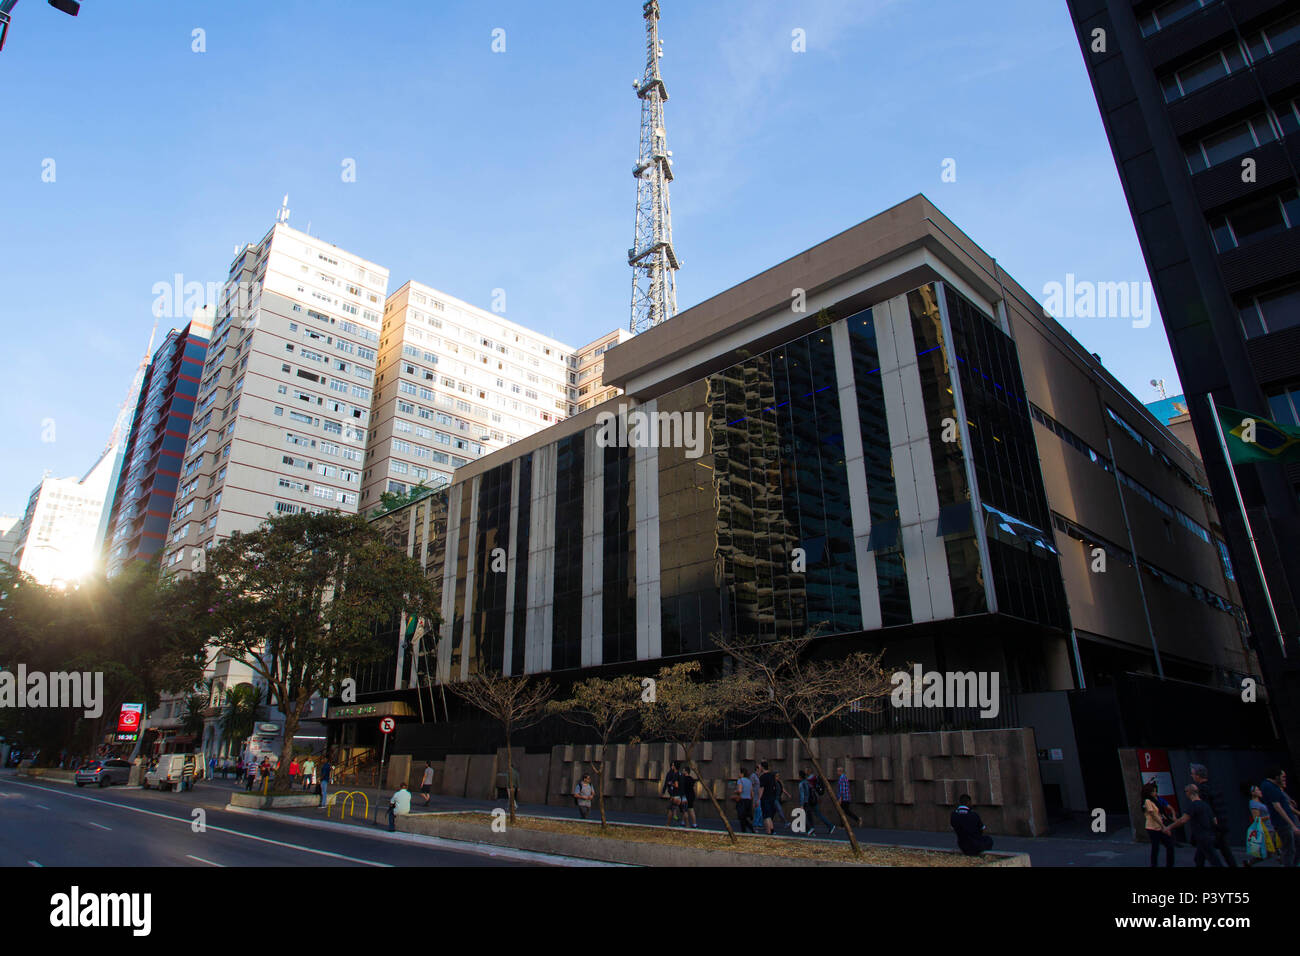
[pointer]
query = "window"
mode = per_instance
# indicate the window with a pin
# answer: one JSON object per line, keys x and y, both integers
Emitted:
{"x": 1203, "y": 72}
{"x": 1230, "y": 143}
{"x": 1269, "y": 40}
{"x": 1164, "y": 14}
{"x": 1256, "y": 220}
{"x": 1270, "y": 311}
{"x": 1284, "y": 404}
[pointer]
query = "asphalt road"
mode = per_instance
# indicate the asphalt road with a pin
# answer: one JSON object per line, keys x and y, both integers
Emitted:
{"x": 53, "y": 824}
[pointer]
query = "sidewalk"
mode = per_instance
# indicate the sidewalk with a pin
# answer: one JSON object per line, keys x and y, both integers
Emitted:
{"x": 1069, "y": 846}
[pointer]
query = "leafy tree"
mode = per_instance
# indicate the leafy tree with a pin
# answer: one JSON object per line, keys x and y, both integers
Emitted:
{"x": 298, "y": 600}
{"x": 239, "y": 713}
{"x": 610, "y": 707}
{"x": 682, "y": 710}
{"x": 514, "y": 703}
{"x": 192, "y": 718}
{"x": 779, "y": 678}
{"x": 392, "y": 500}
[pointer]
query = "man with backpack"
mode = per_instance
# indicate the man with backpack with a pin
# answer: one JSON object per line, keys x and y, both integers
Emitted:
{"x": 810, "y": 790}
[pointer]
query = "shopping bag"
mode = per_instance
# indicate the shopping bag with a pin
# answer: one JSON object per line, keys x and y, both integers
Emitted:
{"x": 1256, "y": 841}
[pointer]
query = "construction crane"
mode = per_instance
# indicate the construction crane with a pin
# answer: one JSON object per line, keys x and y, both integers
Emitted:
{"x": 652, "y": 258}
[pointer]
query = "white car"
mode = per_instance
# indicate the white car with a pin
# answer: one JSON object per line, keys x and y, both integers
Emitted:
{"x": 171, "y": 772}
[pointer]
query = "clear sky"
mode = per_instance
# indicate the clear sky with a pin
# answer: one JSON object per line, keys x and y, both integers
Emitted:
{"x": 478, "y": 170}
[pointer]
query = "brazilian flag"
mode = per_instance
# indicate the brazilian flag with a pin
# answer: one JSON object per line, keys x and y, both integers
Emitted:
{"x": 412, "y": 622}
{"x": 1252, "y": 439}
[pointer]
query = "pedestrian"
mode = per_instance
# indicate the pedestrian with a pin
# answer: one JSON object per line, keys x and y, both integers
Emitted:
{"x": 1213, "y": 797}
{"x": 808, "y": 797}
{"x": 582, "y": 795}
{"x": 1268, "y": 842}
{"x": 250, "y": 774}
{"x": 1273, "y": 793}
{"x": 769, "y": 792}
{"x": 293, "y": 772}
{"x": 672, "y": 790}
{"x": 325, "y": 770}
{"x": 1153, "y": 821}
{"x": 745, "y": 801}
{"x": 264, "y": 772}
{"x": 426, "y": 782}
{"x": 398, "y": 805}
{"x": 686, "y": 785}
{"x": 970, "y": 829}
{"x": 1203, "y": 825}
{"x": 308, "y": 773}
{"x": 844, "y": 793}
{"x": 758, "y": 806}
{"x": 781, "y": 796}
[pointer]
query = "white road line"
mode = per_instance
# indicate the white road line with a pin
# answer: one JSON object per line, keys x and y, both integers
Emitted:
{"x": 34, "y": 863}
{"x": 41, "y": 806}
{"x": 100, "y": 825}
{"x": 201, "y": 860}
{"x": 187, "y": 822}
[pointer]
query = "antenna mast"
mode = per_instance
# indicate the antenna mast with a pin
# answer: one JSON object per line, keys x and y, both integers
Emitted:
{"x": 652, "y": 258}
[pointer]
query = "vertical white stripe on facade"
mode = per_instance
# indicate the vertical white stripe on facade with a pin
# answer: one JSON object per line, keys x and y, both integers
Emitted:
{"x": 427, "y": 635}
{"x": 859, "y": 503}
{"x": 512, "y": 567}
{"x": 541, "y": 563}
{"x": 909, "y": 442}
{"x": 401, "y": 622}
{"x": 449, "y": 583}
{"x": 471, "y": 566}
{"x": 649, "y": 640}
{"x": 593, "y": 550}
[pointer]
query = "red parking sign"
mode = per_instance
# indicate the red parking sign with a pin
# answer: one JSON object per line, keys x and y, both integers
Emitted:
{"x": 387, "y": 725}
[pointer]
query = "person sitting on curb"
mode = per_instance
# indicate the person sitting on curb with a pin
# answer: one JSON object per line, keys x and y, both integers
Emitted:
{"x": 399, "y": 804}
{"x": 966, "y": 823}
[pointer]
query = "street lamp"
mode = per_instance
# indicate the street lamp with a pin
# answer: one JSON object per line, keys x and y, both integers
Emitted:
{"x": 70, "y": 7}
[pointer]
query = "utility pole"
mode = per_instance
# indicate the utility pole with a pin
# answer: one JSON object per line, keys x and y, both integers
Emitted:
{"x": 652, "y": 258}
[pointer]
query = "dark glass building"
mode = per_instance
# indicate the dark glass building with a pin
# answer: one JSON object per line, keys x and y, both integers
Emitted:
{"x": 1201, "y": 102}
{"x": 141, "y": 505}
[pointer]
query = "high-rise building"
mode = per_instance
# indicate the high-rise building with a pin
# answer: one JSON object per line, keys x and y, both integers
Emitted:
{"x": 455, "y": 382}
{"x": 587, "y": 387}
{"x": 58, "y": 541}
{"x": 1200, "y": 100}
{"x": 10, "y": 527}
{"x": 283, "y": 407}
{"x": 141, "y": 506}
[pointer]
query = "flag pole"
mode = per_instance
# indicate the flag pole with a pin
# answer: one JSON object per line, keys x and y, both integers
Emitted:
{"x": 1250, "y": 532}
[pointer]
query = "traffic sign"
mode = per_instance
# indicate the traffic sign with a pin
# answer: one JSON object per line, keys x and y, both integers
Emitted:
{"x": 387, "y": 725}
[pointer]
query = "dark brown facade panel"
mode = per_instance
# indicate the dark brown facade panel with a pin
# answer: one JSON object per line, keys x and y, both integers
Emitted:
{"x": 1222, "y": 185}
{"x": 1261, "y": 263}
{"x": 1276, "y": 357}
{"x": 1189, "y": 39}
{"x": 1207, "y": 107}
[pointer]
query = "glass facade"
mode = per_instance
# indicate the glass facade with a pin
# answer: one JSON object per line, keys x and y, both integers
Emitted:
{"x": 488, "y": 631}
{"x": 618, "y": 567}
{"x": 566, "y": 640}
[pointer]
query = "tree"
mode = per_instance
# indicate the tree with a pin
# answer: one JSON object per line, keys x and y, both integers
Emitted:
{"x": 780, "y": 679}
{"x": 609, "y": 706}
{"x": 682, "y": 709}
{"x": 300, "y": 600}
{"x": 192, "y": 718}
{"x": 392, "y": 500}
{"x": 514, "y": 703}
{"x": 239, "y": 712}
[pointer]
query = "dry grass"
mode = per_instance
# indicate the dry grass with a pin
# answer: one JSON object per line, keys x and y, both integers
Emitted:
{"x": 760, "y": 845}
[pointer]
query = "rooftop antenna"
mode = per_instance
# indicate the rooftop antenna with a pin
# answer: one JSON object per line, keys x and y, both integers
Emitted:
{"x": 283, "y": 214}
{"x": 1159, "y": 385}
{"x": 652, "y": 258}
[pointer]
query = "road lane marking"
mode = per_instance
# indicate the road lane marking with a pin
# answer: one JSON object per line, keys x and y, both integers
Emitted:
{"x": 210, "y": 826}
{"x": 34, "y": 863}
{"x": 201, "y": 860}
{"x": 100, "y": 825}
{"x": 41, "y": 806}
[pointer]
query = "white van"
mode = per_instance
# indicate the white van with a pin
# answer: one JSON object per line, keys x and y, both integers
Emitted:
{"x": 171, "y": 771}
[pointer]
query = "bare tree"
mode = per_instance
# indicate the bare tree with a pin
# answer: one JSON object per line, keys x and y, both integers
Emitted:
{"x": 514, "y": 703}
{"x": 780, "y": 680}
{"x": 682, "y": 710}
{"x": 609, "y": 706}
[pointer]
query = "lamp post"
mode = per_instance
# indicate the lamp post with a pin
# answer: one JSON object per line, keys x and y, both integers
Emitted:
{"x": 70, "y": 7}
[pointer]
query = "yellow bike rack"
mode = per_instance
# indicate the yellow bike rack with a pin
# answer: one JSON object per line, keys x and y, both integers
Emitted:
{"x": 349, "y": 803}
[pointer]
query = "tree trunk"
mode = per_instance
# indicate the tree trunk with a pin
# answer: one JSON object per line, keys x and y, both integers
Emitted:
{"x": 510, "y": 778}
{"x": 835, "y": 797}
{"x": 726, "y": 822}
{"x": 281, "y": 782}
{"x": 600, "y": 787}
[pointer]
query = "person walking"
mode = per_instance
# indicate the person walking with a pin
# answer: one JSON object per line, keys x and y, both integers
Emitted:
{"x": 844, "y": 794}
{"x": 808, "y": 799}
{"x": 1259, "y": 813}
{"x": 1213, "y": 797}
{"x": 1273, "y": 794}
{"x": 1153, "y": 821}
{"x": 326, "y": 768}
{"x": 582, "y": 795}
{"x": 769, "y": 792}
{"x": 758, "y": 806}
{"x": 672, "y": 789}
{"x": 970, "y": 829}
{"x": 250, "y": 774}
{"x": 781, "y": 796}
{"x": 1201, "y": 832}
{"x": 686, "y": 785}
{"x": 308, "y": 772}
{"x": 426, "y": 782}
{"x": 398, "y": 805}
{"x": 294, "y": 770}
{"x": 264, "y": 772}
{"x": 745, "y": 801}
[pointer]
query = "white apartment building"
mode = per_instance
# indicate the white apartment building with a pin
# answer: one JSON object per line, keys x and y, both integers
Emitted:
{"x": 57, "y": 542}
{"x": 586, "y": 378}
{"x": 11, "y": 527}
{"x": 454, "y": 383}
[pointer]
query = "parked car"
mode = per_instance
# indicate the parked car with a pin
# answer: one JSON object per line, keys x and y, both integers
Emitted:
{"x": 172, "y": 772}
{"x": 104, "y": 773}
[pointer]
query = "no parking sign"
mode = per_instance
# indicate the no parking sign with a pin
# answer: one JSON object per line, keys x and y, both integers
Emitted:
{"x": 387, "y": 725}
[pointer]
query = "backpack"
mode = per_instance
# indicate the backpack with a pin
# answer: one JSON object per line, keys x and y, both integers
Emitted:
{"x": 818, "y": 787}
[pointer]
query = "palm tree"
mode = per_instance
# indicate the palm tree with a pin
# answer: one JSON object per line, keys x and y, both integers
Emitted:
{"x": 239, "y": 713}
{"x": 192, "y": 719}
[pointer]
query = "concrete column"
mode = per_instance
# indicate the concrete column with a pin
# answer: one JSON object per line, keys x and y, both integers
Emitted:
{"x": 512, "y": 565}
{"x": 649, "y": 620}
{"x": 593, "y": 548}
{"x": 471, "y": 567}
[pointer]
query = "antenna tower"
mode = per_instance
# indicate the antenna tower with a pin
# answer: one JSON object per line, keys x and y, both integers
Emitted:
{"x": 652, "y": 258}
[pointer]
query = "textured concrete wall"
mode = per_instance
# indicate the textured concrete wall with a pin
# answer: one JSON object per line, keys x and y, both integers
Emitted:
{"x": 899, "y": 781}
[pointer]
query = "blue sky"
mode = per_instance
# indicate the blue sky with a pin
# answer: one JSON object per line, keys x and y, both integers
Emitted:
{"x": 478, "y": 170}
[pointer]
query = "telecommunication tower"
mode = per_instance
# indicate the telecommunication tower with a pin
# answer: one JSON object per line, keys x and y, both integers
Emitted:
{"x": 652, "y": 258}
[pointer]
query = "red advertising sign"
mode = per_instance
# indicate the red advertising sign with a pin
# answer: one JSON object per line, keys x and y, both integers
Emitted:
{"x": 130, "y": 718}
{"x": 1154, "y": 765}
